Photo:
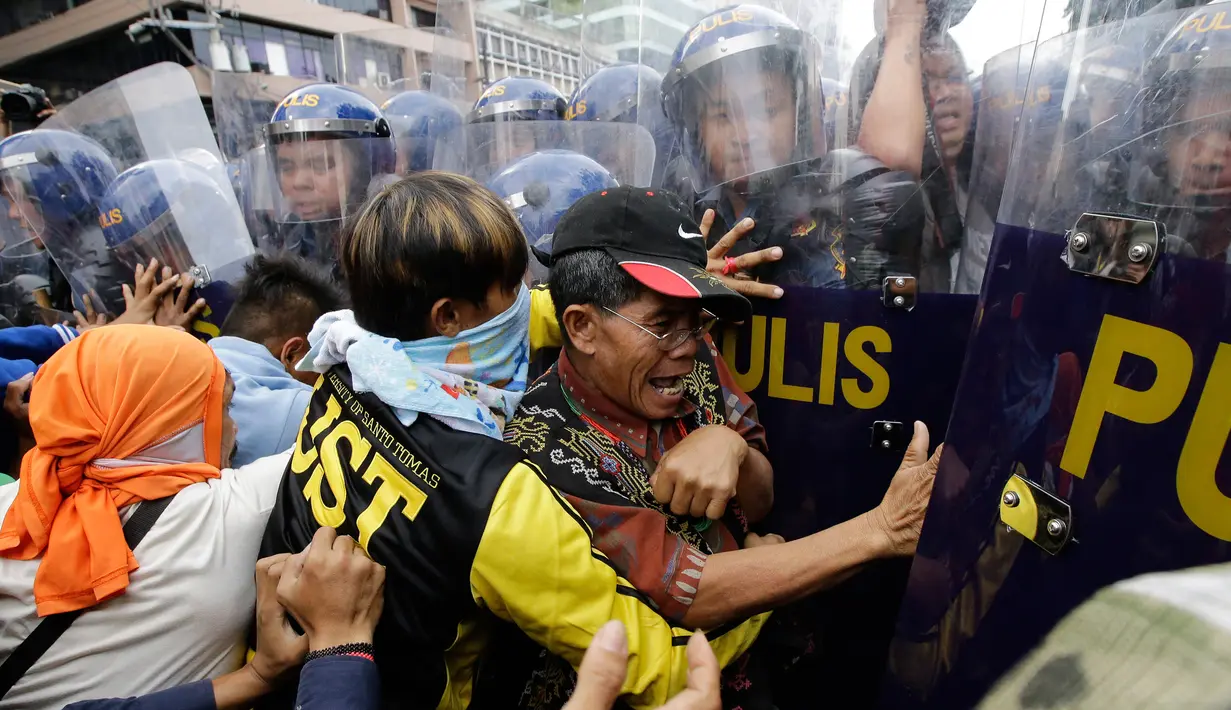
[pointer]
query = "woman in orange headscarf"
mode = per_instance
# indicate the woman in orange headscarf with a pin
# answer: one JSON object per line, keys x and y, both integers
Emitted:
{"x": 122, "y": 415}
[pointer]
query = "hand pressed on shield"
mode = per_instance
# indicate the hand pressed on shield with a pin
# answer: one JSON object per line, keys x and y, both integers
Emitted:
{"x": 143, "y": 299}
{"x": 177, "y": 310}
{"x": 90, "y": 319}
{"x": 699, "y": 475}
{"x": 900, "y": 515}
{"x": 334, "y": 590}
{"x": 734, "y": 270}
{"x": 603, "y": 668}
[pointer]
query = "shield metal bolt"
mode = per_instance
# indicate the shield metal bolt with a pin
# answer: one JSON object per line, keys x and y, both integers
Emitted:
{"x": 1010, "y": 499}
{"x": 1055, "y": 527}
{"x": 900, "y": 283}
{"x": 1079, "y": 241}
{"x": 1139, "y": 253}
{"x": 885, "y": 444}
{"x": 899, "y": 301}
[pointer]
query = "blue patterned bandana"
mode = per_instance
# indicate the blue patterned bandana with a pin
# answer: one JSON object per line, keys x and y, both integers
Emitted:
{"x": 472, "y": 382}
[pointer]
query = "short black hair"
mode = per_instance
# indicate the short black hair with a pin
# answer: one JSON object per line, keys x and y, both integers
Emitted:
{"x": 589, "y": 276}
{"x": 281, "y": 295}
{"x": 429, "y": 236}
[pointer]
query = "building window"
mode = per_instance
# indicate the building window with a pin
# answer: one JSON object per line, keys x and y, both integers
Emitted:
{"x": 271, "y": 50}
{"x": 371, "y": 8}
{"x": 422, "y": 18}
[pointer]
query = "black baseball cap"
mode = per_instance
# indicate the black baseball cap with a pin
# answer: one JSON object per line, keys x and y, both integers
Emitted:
{"x": 650, "y": 234}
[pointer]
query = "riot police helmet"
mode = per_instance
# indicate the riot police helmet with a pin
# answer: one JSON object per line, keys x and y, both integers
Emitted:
{"x": 540, "y": 187}
{"x": 418, "y": 120}
{"x": 327, "y": 145}
{"x": 744, "y": 96}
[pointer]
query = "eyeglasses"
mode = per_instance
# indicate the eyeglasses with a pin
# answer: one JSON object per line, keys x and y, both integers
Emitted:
{"x": 675, "y": 338}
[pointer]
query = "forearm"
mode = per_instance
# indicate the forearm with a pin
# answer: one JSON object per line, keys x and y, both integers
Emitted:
{"x": 239, "y": 689}
{"x": 738, "y": 584}
{"x": 755, "y": 489}
{"x": 893, "y": 125}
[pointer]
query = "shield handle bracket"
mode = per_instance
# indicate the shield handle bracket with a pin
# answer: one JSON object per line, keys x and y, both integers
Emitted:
{"x": 200, "y": 275}
{"x": 1037, "y": 514}
{"x": 900, "y": 292}
{"x": 1114, "y": 246}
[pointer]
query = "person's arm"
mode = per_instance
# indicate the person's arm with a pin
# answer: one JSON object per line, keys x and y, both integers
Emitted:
{"x": 893, "y": 125}
{"x": 339, "y": 683}
{"x": 193, "y": 696}
{"x": 755, "y": 489}
{"x": 535, "y": 567}
{"x": 789, "y": 571}
{"x": 35, "y": 343}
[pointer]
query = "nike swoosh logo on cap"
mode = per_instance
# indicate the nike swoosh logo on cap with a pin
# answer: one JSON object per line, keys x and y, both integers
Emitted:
{"x": 689, "y": 235}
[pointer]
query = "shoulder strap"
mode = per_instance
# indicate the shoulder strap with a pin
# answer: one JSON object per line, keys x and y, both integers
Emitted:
{"x": 53, "y": 627}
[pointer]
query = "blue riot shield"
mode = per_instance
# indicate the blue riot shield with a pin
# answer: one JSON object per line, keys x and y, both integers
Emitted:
{"x": 1086, "y": 442}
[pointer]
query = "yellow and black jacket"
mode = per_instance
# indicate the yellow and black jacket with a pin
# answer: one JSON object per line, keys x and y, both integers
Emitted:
{"x": 470, "y": 534}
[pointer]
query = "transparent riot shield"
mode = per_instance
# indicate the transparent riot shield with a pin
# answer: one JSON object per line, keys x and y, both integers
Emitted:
{"x": 453, "y": 72}
{"x": 172, "y": 198}
{"x": 384, "y": 62}
{"x": 625, "y": 53}
{"x": 1002, "y": 100}
{"x": 1086, "y": 443}
{"x": 483, "y": 150}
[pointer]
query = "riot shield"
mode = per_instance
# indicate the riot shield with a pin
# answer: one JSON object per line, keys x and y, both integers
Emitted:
{"x": 453, "y": 73}
{"x": 172, "y": 199}
{"x": 1086, "y": 442}
{"x": 483, "y": 150}
{"x": 625, "y": 54}
{"x": 383, "y": 62}
{"x": 1002, "y": 100}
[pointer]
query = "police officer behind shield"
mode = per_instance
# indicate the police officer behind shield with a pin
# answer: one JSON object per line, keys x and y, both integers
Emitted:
{"x": 54, "y": 180}
{"x": 625, "y": 93}
{"x": 418, "y": 120}
{"x": 744, "y": 97}
{"x": 1181, "y": 172}
{"x": 513, "y": 117}
{"x": 327, "y": 145}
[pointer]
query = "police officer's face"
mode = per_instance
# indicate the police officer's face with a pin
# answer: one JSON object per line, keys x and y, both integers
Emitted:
{"x": 314, "y": 177}
{"x": 951, "y": 98}
{"x": 23, "y": 208}
{"x": 1199, "y": 145}
{"x": 747, "y": 123}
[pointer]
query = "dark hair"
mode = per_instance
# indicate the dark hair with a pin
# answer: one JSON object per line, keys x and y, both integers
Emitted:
{"x": 589, "y": 276}
{"x": 431, "y": 235}
{"x": 281, "y": 295}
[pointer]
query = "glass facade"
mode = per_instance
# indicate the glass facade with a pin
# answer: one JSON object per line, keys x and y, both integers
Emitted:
{"x": 272, "y": 50}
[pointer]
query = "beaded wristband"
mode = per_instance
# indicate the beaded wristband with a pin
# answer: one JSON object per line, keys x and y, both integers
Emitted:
{"x": 362, "y": 650}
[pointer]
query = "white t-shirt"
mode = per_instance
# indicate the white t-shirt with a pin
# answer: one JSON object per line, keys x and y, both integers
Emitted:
{"x": 187, "y": 610}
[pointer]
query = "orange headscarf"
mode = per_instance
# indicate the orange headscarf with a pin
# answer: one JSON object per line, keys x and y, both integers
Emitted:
{"x": 108, "y": 395}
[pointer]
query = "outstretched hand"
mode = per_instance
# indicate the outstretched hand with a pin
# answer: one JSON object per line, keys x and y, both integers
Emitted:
{"x": 735, "y": 275}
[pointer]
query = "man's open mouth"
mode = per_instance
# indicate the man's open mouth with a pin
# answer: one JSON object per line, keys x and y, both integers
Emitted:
{"x": 667, "y": 386}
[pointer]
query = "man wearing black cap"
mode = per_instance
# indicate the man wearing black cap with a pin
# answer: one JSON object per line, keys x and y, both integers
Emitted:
{"x": 642, "y": 429}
